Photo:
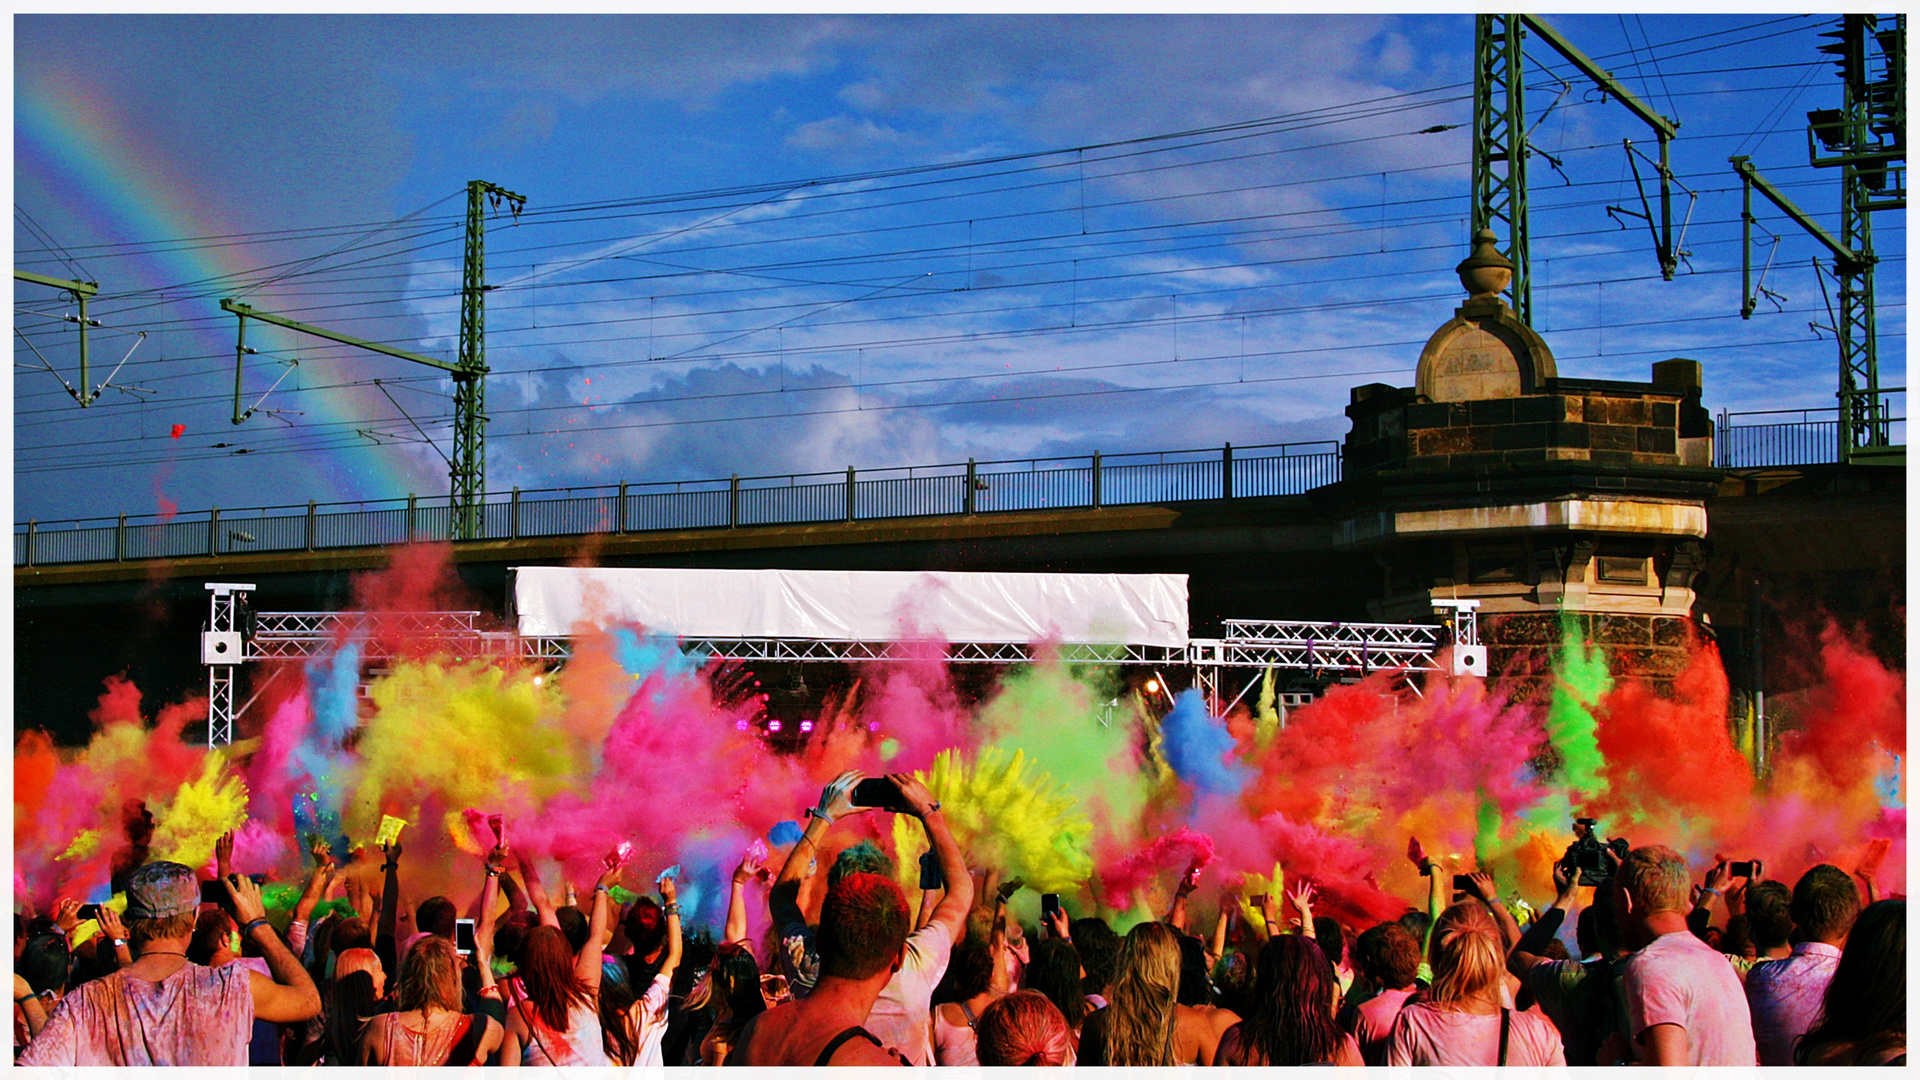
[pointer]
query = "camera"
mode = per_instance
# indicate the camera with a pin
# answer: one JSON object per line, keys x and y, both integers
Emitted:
{"x": 1587, "y": 853}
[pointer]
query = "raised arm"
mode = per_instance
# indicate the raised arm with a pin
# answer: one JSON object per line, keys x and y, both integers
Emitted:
{"x": 835, "y": 802}
{"x": 1529, "y": 950}
{"x": 750, "y": 867}
{"x": 538, "y": 892}
{"x": 1488, "y": 894}
{"x": 1301, "y": 899}
{"x": 495, "y": 866}
{"x": 223, "y": 856}
{"x": 390, "y": 895}
{"x": 670, "y": 892}
{"x": 1000, "y": 981}
{"x": 1177, "y": 914}
{"x": 1700, "y": 919}
{"x": 951, "y": 912}
{"x": 289, "y": 997}
{"x": 317, "y": 882}
{"x": 1217, "y": 946}
{"x": 1437, "y": 896}
{"x": 587, "y": 965}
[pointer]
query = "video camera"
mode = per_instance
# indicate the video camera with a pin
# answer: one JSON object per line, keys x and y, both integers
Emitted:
{"x": 1587, "y": 853}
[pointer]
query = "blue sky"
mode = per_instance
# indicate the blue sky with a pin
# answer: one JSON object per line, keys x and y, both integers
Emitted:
{"x": 760, "y": 245}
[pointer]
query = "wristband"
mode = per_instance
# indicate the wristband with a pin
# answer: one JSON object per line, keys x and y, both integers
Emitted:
{"x": 816, "y": 812}
{"x": 932, "y": 808}
{"x": 119, "y": 943}
{"x": 670, "y": 909}
{"x": 251, "y": 923}
{"x": 24, "y": 998}
{"x": 601, "y": 888}
{"x": 492, "y": 872}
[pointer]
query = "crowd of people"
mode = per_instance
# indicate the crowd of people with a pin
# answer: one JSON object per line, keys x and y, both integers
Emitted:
{"x": 1729, "y": 970}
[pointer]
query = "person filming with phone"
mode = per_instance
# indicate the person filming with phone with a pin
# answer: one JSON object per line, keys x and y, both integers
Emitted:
{"x": 163, "y": 1009}
{"x": 861, "y": 1015}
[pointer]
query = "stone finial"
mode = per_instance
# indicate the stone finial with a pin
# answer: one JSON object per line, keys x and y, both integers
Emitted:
{"x": 1485, "y": 272}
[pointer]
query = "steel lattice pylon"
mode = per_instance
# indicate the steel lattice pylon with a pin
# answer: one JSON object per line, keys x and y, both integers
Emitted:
{"x": 1500, "y": 146}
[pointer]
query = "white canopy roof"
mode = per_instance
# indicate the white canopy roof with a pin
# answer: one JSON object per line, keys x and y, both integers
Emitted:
{"x": 856, "y": 605}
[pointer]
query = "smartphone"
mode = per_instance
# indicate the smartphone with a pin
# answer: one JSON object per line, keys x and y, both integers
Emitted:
{"x": 463, "y": 936}
{"x": 1193, "y": 875}
{"x": 1049, "y": 905}
{"x": 1463, "y": 883}
{"x": 1746, "y": 869}
{"x": 88, "y": 911}
{"x": 930, "y": 872}
{"x": 214, "y": 891}
{"x": 1258, "y": 901}
{"x": 880, "y": 793}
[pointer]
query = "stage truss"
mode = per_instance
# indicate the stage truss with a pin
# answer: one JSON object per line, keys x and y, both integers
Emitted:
{"x": 235, "y": 635}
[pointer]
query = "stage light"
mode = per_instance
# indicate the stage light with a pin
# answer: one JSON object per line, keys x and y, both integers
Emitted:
{"x": 740, "y": 725}
{"x": 873, "y": 725}
{"x": 1153, "y": 686}
{"x": 538, "y": 680}
{"x": 806, "y": 725}
{"x": 773, "y": 725}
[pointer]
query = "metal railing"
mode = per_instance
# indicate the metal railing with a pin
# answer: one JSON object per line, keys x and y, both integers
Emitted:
{"x": 971, "y": 487}
{"x": 1783, "y": 437}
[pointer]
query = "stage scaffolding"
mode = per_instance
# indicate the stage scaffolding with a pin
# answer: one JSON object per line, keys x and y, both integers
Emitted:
{"x": 236, "y": 635}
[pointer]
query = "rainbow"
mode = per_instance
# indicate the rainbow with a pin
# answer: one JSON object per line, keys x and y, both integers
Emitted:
{"x": 109, "y": 172}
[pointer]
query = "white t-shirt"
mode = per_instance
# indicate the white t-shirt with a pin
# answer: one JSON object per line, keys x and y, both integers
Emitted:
{"x": 1679, "y": 979}
{"x": 901, "y": 1017}
{"x": 652, "y": 1025}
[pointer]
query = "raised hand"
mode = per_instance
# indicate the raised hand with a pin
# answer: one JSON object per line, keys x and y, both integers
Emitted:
{"x": 1302, "y": 900}
{"x": 1056, "y": 923}
{"x": 110, "y": 924}
{"x": 836, "y": 799}
{"x": 1480, "y": 884}
{"x": 1190, "y": 880}
{"x": 322, "y": 852}
{"x": 66, "y": 914}
{"x": 915, "y": 794}
{"x": 1565, "y": 879}
{"x": 223, "y": 854}
{"x": 1718, "y": 877}
{"x": 247, "y": 903}
{"x": 669, "y": 891}
{"x": 497, "y": 857}
{"x": 750, "y": 867}
{"x": 1008, "y": 888}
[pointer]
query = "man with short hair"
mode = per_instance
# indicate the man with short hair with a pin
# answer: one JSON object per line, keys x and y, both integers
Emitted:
{"x": 902, "y": 1015}
{"x": 1785, "y": 996}
{"x": 1387, "y": 957}
{"x": 1684, "y": 1003}
{"x": 164, "y": 1010}
{"x": 1577, "y": 995}
{"x": 861, "y": 943}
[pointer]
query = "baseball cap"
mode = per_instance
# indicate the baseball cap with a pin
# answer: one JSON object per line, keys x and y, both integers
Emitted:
{"x": 161, "y": 890}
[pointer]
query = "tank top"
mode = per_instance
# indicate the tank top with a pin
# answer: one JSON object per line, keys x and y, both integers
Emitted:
{"x": 580, "y": 1044}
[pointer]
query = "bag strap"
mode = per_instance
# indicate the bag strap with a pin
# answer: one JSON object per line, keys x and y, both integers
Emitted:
{"x": 834, "y": 1045}
{"x": 1173, "y": 1021}
{"x": 972, "y": 1020}
{"x": 1506, "y": 1028}
{"x": 465, "y": 1050}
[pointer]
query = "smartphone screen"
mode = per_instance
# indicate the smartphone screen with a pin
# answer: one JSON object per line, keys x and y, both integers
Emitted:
{"x": 1049, "y": 903}
{"x": 930, "y": 872}
{"x": 1463, "y": 883}
{"x": 463, "y": 936}
{"x": 88, "y": 911}
{"x": 878, "y": 792}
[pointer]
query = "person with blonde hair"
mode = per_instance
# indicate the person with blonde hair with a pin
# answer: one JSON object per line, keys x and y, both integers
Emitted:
{"x": 428, "y": 1027}
{"x": 1024, "y": 1028}
{"x": 1465, "y": 1018}
{"x": 1143, "y": 1022}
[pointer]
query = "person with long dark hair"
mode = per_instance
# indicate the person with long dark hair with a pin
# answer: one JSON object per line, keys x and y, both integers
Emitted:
{"x": 1863, "y": 1018}
{"x": 732, "y": 988}
{"x": 1056, "y": 971}
{"x": 1291, "y": 1021}
{"x": 554, "y": 1018}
